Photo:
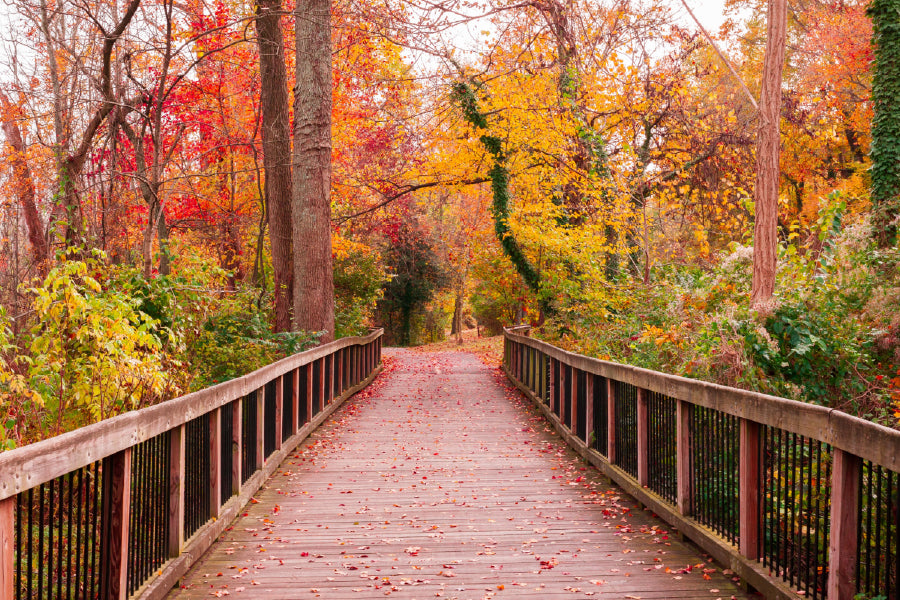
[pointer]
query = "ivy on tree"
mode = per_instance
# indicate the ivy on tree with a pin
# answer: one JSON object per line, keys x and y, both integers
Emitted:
{"x": 885, "y": 151}
{"x": 464, "y": 96}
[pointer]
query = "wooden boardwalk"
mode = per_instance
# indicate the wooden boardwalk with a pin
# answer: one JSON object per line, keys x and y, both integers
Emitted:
{"x": 441, "y": 481}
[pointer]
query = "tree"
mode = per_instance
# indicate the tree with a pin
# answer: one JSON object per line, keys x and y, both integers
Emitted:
{"x": 885, "y": 150}
{"x": 276, "y": 154}
{"x": 24, "y": 182}
{"x": 765, "y": 237}
{"x": 311, "y": 203}
{"x": 71, "y": 159}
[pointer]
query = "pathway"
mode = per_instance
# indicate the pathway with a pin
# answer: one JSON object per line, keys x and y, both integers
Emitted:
{"x": 441, "y": 481}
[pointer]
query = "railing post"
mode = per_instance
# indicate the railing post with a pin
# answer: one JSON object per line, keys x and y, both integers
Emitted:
{"x": 331, "y": 379}
{"x": 539, "y": 368}
{"x": 844, "y": 525}
{"x": 532, "y": 368}
{"x": 260, "y": 427}
{"x": 116, "y": 509}
{"x": 321, "y": 393}
{"x": 340, "y": 371}
{"x": 611, "y": 421}
{"x": 749, "y": 480}
{"x": 237, "y": 442}
{"x": 215, "y": 461}
{"x": 176, "y": 490}
{"x": 279, "y": 411}
{"x": 295, "y": 398}
{"x": 564, "y": 384}
{"x": 519, "y": 359}
{"x": 553, "y": 384}
{"x": 347, "y": 367}
{"x": 643, "y": 438}
{"x": 684, "y": 499}
{"x": 309, "y": 391}
{"x": 573, "y": 403}
{"x": 7, "y": 548}
{"x": 589, "y": 408}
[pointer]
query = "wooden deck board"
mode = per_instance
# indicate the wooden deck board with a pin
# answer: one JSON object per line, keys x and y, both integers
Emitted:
{"x": 440, "y": 481}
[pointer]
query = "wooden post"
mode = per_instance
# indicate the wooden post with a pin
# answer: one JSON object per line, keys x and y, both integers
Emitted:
{"x": 295, "y": 398}
{"x": 564, "y": 384}
{"x": 279, "y": 411}
{"x": 237, "y": 441}
{"x": 845, "y": 480}
{"x": 526, "y": 366}
{"x": 321, "y": 398}
{"x": 611, "y": 421}
{"x": 309, "y": 391}
{"x": 748, "y": 476}
{"x": 518, "y": 361}
{"x": 215, "y": 461}
{"x": 176, "y": 490}
{"x": 116, "y": 508}
{"x": 684, "y": 496}
{"x": 643, "y": 437}
{"x": 589, "y": 406}
{"x": 8, "y": 548}
{"x": 573, "y": 405}
{"x": 552, "y": 398}
{"x": 331, "y": 379}
{"x": 347, "y": 370}
{"x": 340, "y": 371}
{"x": 260, "y": 427}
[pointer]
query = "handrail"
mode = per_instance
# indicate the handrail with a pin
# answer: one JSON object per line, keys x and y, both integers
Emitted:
{"x": 787, "y": 494}
{"x": 123, "y": 507}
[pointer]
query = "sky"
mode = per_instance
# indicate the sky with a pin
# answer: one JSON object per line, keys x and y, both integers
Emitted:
{"x": 468, "y": 39}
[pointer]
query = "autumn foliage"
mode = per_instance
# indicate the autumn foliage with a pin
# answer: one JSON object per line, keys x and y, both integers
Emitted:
{"x": 584, "y": 166}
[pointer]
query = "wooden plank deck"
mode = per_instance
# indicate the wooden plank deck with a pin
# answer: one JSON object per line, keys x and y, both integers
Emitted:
{"x": 440, "y": 481}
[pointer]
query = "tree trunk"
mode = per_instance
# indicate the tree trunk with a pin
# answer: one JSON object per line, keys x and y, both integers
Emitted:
{"x": 456, "y": 328}
{"x": 162, "y": 234}
{"x": 276, "y": 132}
{"x": 311, "y": 206}
{"x": 885, "y": 148}
{"x": 765, "y": 237}
{"x": 24, "y": 184}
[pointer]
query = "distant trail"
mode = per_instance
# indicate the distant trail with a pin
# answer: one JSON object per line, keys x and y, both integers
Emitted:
{"x": 441, "y": 481}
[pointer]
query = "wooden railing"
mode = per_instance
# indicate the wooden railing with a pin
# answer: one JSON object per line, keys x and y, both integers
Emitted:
{"x": 121, "y": 509}
{"x": 792, "y": 497}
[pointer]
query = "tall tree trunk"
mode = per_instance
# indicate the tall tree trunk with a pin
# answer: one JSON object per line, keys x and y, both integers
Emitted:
{"x": 765, "y": 237}
{"x": 885, "y": 150}
{"x": 311, "y": 206}
{"x": 276, "y": 136}
{"x": 456, "y": 327}
{"x": 24, "y": 184}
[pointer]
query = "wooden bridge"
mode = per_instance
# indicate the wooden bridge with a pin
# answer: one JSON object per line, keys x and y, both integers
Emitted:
{"x": 302, "y": 480}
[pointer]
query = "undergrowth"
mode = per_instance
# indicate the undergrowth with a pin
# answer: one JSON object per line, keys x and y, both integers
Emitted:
{"x": 830, "y": 337}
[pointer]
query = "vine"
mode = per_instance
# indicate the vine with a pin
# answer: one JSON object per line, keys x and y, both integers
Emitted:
{"x": 885, "y": 152}
{"x": 464, "y": 96}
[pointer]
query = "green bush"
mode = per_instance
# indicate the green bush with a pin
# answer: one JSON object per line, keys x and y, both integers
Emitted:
{"x": 234, "y": 344}
{"x": 358, "y": 278}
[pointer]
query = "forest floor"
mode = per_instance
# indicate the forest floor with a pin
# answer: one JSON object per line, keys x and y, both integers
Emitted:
{"x": 440, "y": 480}
{"x": 488, "y": 349}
